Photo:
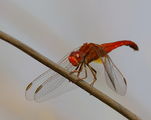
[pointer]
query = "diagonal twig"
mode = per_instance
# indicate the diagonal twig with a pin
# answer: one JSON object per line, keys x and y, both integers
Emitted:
{"x": 82, "y": 84}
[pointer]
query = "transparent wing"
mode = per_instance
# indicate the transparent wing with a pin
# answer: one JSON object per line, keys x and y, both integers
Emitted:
{"x": 49, "y": 84}
{"x": 114, "y": 78}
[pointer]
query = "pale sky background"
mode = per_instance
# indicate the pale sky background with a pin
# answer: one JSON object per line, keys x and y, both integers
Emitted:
{"x": 56, "y": 27}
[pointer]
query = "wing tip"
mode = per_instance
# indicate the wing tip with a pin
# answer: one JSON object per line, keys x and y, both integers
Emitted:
{"x": 29, "y": 86}
{"x": 122, "y": 94}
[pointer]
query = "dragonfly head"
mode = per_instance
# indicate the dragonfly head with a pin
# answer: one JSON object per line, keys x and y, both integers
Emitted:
{"x": 74, "y": 58}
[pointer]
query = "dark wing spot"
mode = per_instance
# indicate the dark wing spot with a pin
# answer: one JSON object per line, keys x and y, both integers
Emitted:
{"x": 125, "y": 81}
{"x": 39, "y": 88}
{"x": 29, "y": 86}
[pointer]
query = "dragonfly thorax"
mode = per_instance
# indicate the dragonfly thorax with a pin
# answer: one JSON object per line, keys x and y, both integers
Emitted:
{"x": 87, "y": 53}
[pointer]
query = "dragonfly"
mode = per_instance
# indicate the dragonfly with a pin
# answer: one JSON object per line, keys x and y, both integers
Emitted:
{"x": 78, "y": 62}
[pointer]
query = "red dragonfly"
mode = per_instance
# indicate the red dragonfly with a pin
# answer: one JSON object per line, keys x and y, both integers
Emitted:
{"x": 50, "y": 83}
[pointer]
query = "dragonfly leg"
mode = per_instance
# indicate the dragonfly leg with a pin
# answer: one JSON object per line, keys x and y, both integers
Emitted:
{"x": 93, "y": 71}
{"x": 76, "y": 70}
{"x": 80, "y": 69}
{"x": 85, "y": 75}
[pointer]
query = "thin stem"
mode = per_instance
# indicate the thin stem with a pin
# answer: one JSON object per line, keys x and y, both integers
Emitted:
{"x": 84, "y": 85}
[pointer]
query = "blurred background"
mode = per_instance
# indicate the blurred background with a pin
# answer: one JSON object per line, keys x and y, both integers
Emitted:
{"x": 56, "y": 27}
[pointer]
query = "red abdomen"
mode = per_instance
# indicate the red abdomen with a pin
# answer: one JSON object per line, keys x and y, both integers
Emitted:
{"x": 108, "y": 47}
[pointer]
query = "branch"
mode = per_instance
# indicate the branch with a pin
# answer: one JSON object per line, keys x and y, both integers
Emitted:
{"x": 84, "y": 85}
